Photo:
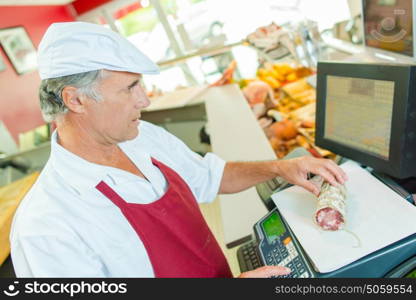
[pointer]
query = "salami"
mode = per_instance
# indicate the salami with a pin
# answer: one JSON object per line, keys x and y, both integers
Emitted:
{"x": 331, "y": 209}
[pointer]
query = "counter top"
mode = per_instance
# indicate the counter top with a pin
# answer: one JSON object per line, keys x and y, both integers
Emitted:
{"x": 236, "y": 136}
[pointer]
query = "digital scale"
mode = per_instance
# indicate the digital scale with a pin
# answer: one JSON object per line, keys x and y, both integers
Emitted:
{"x": 275, "y": 244}
{"x": 278, "y": 247}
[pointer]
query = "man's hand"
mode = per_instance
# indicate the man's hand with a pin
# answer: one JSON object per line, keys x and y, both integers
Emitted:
{"x": 239, "y": 176}
{"x": 296, "y": 171}
{"x": 265, "y": 272}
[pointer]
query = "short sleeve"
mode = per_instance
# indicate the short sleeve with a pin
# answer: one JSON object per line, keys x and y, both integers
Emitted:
{"x": 202, "y": 174}
{"x": 205, "y": 177}
{"x": 52, "y": 256}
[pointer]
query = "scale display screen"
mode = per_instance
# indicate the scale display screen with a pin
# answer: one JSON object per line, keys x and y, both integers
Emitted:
{"x": 412, "y": 274}
{"x": 348, "y": 102}
{"x": 273, "y": 227}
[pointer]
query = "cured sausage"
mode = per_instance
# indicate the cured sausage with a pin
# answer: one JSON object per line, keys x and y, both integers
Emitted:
{"x": 331, "y": 208}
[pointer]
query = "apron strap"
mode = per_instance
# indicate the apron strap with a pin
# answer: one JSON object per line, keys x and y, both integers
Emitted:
{"x": 155, "y": 161}
{"x": 107, "y": 191}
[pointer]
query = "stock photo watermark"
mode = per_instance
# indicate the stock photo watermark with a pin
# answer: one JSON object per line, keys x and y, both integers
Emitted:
{"x": 388, "y": 30}
{"x": 70, "y": 289}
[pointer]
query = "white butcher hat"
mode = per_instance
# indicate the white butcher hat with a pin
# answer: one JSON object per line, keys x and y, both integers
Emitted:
{"x": 75, "y": 47}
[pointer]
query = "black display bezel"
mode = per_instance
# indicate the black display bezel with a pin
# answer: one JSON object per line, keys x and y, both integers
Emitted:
{"x": 400, "y": 75}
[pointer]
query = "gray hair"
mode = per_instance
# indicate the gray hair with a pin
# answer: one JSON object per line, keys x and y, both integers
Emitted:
{"x": 50, "y": 91}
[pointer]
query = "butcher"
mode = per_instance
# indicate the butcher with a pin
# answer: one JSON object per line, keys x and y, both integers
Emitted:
{"x": 119, "y": 196}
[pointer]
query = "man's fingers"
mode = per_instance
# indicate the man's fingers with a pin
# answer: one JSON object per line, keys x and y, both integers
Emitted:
{"x": 266, "y": 272}
{"x": 327, "y": 176}
{"x": 336, "y": 171}
{"x": 310, "y": 186}
{"x": 269, "y": 271}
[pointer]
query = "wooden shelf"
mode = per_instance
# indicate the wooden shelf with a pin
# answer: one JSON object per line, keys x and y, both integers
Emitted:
{"x": 10, "y": 197}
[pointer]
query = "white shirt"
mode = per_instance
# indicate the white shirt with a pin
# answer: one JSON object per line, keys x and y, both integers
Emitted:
{"x": 64, "y": 227}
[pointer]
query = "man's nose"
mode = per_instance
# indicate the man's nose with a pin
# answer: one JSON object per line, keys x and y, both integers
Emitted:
{"x": 142, "y": 101}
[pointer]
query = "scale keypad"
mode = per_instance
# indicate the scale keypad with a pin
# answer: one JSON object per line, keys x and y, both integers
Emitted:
{"x": 285, "y": 254}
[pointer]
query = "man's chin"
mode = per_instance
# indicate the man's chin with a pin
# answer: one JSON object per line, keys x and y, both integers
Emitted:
{"x": 133, "y": 134}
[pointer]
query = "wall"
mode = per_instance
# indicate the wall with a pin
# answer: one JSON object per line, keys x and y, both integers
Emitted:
{"x": 83, "y": 6}
{"x": 355, "y": 7}
{"x": 19, "y": 104}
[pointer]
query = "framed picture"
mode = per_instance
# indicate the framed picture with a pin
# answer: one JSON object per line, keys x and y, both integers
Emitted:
{"x": 19, "y": 49}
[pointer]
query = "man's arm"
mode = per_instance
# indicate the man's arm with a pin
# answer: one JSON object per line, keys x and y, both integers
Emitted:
{"x": 239, "y": 176}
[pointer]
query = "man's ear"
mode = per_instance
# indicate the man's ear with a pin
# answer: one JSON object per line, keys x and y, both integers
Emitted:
{"x": 72, "y": 100}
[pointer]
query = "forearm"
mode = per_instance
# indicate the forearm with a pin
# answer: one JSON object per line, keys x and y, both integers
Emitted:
{"x": 239, "y": 176}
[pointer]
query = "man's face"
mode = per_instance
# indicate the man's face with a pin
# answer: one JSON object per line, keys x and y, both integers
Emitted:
{"x": 115, "y": 118}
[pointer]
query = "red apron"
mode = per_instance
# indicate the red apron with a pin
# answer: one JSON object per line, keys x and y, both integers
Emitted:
{"x": 177, "y": 239}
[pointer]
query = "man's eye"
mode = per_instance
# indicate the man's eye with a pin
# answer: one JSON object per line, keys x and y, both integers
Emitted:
{"x": 131, "y": 87}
